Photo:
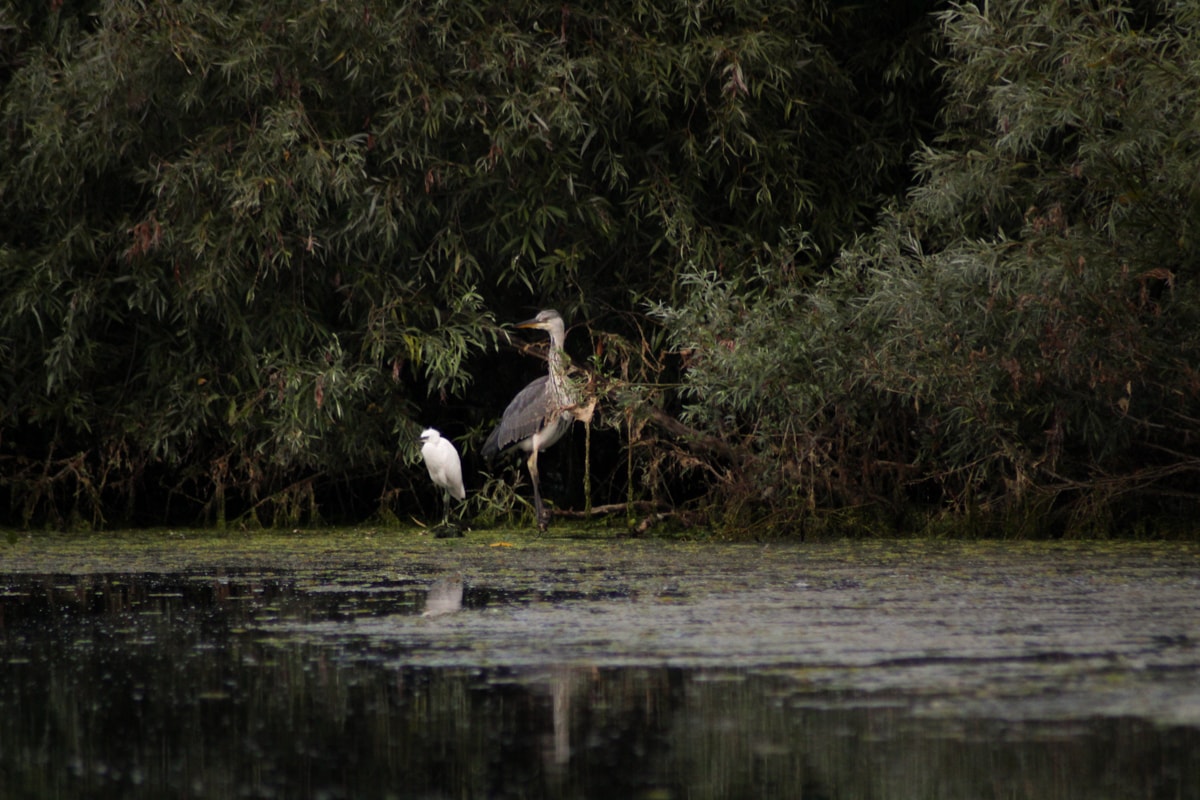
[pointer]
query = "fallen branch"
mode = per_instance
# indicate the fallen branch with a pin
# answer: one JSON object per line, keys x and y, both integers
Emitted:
{"x": 652, "y": 520}
{"x": 657, "y": 514}
{"x": 639, "y": 506}
{"x": 695, "y": 439}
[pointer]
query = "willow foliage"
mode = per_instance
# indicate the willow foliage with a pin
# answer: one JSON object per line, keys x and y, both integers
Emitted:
{"x": 245, "y": 246}
{"x": 1022, "y": 335}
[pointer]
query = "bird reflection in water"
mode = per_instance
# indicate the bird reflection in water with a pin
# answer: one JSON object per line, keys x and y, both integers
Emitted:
{"x": 445, "y": 596}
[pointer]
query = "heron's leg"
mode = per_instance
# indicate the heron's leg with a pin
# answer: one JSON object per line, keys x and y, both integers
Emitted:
{"x": 542, "y": 519}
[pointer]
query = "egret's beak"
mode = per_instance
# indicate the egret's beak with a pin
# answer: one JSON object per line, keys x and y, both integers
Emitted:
{"x": 531, "y": 323}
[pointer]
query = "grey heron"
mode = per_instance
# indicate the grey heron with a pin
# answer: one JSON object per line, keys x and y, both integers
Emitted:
{"x": 445, "y": 469}
{"x": 541, "y": 412}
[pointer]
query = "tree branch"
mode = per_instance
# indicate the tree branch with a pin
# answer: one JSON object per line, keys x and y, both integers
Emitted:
{"x": 696, "y": 440}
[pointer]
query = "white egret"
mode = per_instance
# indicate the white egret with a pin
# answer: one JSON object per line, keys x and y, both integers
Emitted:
{"x": 445, "y": 468}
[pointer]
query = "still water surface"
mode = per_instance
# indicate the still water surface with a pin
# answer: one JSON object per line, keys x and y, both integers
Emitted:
{"x": 410, "y": 668}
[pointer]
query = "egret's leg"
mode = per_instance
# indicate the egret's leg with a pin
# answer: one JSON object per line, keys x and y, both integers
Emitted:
{"x": 448, "y": 529}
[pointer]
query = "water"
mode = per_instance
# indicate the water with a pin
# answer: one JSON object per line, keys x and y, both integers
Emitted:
{"x": 400, "y": 667}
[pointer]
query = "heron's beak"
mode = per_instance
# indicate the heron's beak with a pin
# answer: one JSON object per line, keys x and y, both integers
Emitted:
{"x": 531, "y": 323}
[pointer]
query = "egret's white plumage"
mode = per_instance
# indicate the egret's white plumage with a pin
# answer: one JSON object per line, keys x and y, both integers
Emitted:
{"x": 541, "y": 412}
{"x": 445, "y": 468}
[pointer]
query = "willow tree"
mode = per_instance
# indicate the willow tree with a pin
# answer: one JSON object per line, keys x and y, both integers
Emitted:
{"x": 246, "y": 245}
{"x": 1019, "y": 340}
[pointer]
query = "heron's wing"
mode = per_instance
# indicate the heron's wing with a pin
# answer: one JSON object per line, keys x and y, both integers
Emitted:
{"x": 527, "y": 414}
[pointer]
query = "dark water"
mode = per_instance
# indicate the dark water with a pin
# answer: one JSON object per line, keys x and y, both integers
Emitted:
{"x": 274, "y": 683}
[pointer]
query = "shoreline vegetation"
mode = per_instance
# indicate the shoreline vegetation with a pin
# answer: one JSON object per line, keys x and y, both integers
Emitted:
{"x": 829, "y": 270}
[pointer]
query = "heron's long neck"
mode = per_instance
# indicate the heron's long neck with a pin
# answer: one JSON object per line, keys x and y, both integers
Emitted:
{"x": 558, "y": 367}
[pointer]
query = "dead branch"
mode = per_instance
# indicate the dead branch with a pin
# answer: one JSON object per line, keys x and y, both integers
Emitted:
{"x": 696, "y": 440}
{"x": 639, "y": 506}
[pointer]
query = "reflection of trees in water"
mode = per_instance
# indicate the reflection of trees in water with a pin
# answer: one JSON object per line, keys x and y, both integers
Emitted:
{"x": 165, "y": 685}
{"x": 744, "y": 737}
{"x": 595, "y": 724}
{"x": 113, "y": 687}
